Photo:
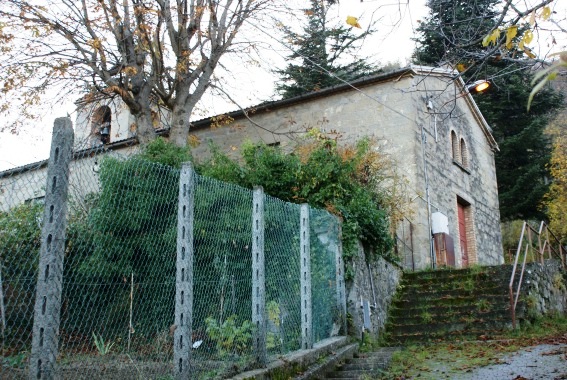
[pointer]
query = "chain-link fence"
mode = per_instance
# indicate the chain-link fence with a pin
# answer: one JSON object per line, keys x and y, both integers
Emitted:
{"x": 21, "y": 213}
{"x": 115, "y": 315}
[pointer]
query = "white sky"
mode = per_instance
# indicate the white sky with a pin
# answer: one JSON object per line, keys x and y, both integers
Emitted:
{"x": 253, "y": 82}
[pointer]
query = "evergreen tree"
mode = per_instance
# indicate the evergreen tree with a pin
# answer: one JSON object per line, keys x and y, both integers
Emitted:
{"x": 521, "y": 164}
{"x": 451, "y": 26}
{"x": 321, "y": 50}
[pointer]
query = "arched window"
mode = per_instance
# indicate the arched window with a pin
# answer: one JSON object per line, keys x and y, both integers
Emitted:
{"x": 464, "y": 154}
{"x": 455, "y": 147}
{"x": 100, "y": 124}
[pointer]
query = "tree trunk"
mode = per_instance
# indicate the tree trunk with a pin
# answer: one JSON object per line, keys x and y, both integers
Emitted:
{"x": 184, "y": 105}
{"x": 144, "y": 126}
{"x": 179, "y": 130}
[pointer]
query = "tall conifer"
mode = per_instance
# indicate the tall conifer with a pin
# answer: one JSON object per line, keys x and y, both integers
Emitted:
{"x": 322, "y": 54}
{"x": 445, "y": 39}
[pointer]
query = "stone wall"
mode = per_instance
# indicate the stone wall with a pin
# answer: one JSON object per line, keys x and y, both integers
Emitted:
{"x": 376, "y": 283}
{"x": 546, "y": 288}
{"x": 464, "y": 174}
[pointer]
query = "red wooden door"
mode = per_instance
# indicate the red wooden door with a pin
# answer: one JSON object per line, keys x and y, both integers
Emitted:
{"x": 463, "y": 235}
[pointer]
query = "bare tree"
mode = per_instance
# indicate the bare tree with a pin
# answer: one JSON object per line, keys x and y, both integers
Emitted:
{"x": 142, "y": 51}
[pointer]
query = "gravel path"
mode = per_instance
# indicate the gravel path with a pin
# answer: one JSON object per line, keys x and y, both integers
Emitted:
{"x": 539, "y": 362}
{"x": 544, "y": 361}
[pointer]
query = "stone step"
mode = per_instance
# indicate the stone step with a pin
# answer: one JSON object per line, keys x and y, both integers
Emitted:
{"x": 448, "y": 315}
{"x": 423, "y": 296}
{"x": 450, "y": 301}
{"x": 348, "y": 374}
{"x": 447, "y": 327}
{"x": 364, "y": 364}
{"x": 444, "y": 274}
{"x": 370, "y": 363}
{"x": 451, "y": 304}
{"x": 482, "y": 285}
{"x": 411, "y": 312}
{"x": 428, "y": 337}
{"x": 360, "y": 367}
{"x": 432, "y": 282}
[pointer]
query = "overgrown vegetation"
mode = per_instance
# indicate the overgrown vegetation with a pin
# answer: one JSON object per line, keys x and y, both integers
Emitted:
{"x": 556, "y": 198}
{"x": 228, "y": 336}
{"x": 348, "y": 181}
{"x": 19, "y": 253}
{"x": 126, "y": 230}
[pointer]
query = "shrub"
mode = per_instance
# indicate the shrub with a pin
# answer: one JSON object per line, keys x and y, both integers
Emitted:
{"x": 344, "y": 180}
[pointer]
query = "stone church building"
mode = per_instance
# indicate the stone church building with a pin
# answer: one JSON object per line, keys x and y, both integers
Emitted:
{"x": 423, "y": 119}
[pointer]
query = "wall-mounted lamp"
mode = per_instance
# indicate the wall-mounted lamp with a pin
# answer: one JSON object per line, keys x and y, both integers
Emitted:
{"x": 479, "y": 87}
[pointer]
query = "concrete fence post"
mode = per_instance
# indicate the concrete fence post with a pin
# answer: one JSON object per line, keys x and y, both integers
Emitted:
{"x": 258, "y": 277}
{"x": 182, "y": 335}
{"x": 47, "y": 310}
{"x": 305, "y": 281}
{"x": 340, "y": 278}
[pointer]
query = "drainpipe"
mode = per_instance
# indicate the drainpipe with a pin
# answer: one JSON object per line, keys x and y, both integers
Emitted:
{"x": 427, "y": 198}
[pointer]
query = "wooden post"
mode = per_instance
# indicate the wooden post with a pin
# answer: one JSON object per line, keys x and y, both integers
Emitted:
{"x": 182, "y": 329}
{"x": 47, "y": 310}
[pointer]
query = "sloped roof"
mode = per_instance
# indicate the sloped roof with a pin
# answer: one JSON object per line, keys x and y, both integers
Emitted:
{"x": 397, "y": 74}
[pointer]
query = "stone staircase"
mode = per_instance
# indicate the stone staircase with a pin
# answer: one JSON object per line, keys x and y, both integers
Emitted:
{"x": 363, "y": 365}
{"x": 463, "y": 304}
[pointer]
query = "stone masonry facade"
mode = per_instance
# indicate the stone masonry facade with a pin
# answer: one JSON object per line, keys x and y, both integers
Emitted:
{"x": 422, "y": 119}
{"x": 411, "y": 113}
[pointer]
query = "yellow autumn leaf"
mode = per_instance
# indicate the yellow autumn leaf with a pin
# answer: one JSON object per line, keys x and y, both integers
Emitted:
{"x": 352, "y": 21}
{"x": 528, "y": 37}
{"x": 491, "y": 38}
{"x": 511, "y": 32}
{"x": 461, "y": 67}
{"x": 528, "y": 52}
{"x": 546, "y": 13}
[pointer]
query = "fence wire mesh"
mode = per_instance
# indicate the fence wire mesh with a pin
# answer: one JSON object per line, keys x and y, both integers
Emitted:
{"x": 119, "y": 277}
{"x": 283, "y": 298}
{"x": 324, "y": 238}
{"x": 119, "y": 281}
{"x": 21, "y": 214}
{"x": 222, "y": 305}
